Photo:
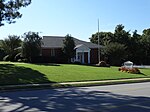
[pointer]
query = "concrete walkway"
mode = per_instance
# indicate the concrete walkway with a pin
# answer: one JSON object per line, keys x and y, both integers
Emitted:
{"x": 70, "y": 84}
{"x": 105, "y": 81}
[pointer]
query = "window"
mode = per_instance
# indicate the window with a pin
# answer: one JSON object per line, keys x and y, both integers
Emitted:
{"x": 52, "y": 52}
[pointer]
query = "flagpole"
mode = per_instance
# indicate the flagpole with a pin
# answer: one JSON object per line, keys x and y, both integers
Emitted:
{"x": 98, "y": 44}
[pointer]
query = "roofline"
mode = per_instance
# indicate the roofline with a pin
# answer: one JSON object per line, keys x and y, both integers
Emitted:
{"x": 55, "y": 36}
{"x": 64, "y": 37}
{"x": 73, "y": 38}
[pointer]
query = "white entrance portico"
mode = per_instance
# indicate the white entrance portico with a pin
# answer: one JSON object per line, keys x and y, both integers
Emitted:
{"x": 82, "y": 53}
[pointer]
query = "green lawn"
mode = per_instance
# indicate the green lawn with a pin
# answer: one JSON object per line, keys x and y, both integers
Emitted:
{"x": 22, "y": 73}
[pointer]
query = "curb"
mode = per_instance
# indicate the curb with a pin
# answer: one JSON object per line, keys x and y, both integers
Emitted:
{"x": 72, "y": 84}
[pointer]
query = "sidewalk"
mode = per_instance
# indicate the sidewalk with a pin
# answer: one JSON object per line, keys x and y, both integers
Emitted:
{"x": 137, "y": 79}
{"x": 73, "y": 84}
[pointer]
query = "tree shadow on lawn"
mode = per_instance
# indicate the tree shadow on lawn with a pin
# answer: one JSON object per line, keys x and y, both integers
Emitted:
{"x": 143, "y": 74}
{"x": 12, "y": 74}
{"x": 72, "y": 100}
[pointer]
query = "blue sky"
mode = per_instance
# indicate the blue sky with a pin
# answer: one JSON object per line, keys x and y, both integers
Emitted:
{"x": 79, "y": 17}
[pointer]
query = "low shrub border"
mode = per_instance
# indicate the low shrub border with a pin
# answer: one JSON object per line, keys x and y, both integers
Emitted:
{"x": 130, "y": 70}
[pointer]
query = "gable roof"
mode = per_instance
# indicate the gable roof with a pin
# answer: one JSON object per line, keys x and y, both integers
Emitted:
{"x": 57, "y": 42}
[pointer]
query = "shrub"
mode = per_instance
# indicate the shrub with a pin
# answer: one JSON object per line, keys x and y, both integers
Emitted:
{"x": 102, "y": 64}
{"x": 134, "y": 71}
{"x": 23, "y": 60}
{"x": 2, "y": 54}
{"x": 6, "y": 58}
{"x": 130, "y": 70}
{"x": 77, "y": 62}
{"x": 19, "y": 60}
{"x": 17, "y": 57}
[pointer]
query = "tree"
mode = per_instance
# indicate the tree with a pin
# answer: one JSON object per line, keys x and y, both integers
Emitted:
{"x": 116, "y": 52}
{"x": 120, "y": 35}
{"x": 68, "y": 47}
{"x": 137, "y": 46}
{"x": 135, "y": 50}
{"x": 2, "y": 54}
{"x": 31, "y": 46}
{"x": 146, "y": 45}
{"x": 10, "y": 45}
{"x": 103, "y": 36}
{"x": 9, "y": 10}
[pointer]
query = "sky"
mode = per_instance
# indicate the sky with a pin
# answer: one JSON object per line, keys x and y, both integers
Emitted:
{"x": 79, "y": 17}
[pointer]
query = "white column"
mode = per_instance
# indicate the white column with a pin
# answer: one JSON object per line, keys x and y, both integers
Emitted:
{"x": 89, "y": 57}
{"x": 76, "y": 56}
{"x": 82, "y": 56}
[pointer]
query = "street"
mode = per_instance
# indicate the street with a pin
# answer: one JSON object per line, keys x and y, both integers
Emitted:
{"x": 113, "y": 98}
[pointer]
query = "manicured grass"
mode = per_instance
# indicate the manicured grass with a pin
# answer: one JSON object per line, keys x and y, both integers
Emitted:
{"x": 22, "y": 73}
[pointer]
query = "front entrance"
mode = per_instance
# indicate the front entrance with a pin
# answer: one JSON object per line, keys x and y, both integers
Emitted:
{"x": 82, "y": 54}
{"x": 81, "y": 57}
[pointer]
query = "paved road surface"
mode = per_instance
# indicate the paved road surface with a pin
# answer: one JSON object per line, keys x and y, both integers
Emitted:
{"x": 115, "y": 98}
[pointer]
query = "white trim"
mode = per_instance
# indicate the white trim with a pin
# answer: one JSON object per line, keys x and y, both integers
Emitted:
{"x": 82, "y": 51}
{"x": 76, "y": 58}
{"x": 89, "y": 57}
{"x": 83, "y": 56}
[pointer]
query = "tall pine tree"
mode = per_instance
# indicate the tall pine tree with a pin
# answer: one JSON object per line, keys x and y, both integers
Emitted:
{"x": 68, "y": 47}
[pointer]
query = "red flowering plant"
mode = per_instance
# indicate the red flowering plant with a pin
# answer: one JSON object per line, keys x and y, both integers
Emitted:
{"x": 129, "y": 70}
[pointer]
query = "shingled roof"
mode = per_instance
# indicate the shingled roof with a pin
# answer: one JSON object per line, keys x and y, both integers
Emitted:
{"x": 57, "y": 42}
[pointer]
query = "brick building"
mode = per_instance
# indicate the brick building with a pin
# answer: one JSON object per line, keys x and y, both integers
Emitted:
{"x": 86, "y": 52}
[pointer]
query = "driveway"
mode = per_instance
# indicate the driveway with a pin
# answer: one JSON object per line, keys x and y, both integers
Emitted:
{"x": 114, "y": 98}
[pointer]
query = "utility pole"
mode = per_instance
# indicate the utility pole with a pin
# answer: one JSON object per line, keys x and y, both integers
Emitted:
{"x": 99, "y": 58}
